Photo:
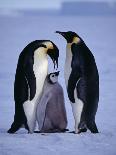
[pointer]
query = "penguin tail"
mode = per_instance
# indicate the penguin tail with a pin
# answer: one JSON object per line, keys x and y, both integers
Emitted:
{"x": 14, "y": 128}
{"x": 92, "y": 127}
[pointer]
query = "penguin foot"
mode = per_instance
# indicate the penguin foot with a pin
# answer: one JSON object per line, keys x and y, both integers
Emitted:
{"x": 82, "y": 127}
{"x": 82, "y": 130}
{"x": 79, "y": 131}
{"x": 64, "y": 130}
{"x": 72, "y": 132}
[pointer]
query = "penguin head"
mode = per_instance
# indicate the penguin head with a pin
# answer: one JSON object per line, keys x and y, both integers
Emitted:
{"x": 52, "y": 51}
{"x": 53, "y": 77}
{"x": 71, "y": 37}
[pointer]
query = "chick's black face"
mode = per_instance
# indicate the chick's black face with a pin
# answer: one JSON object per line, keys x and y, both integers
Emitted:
{"x": 54, "y": 54}
{"x": 69, "y": 35}
{"x": 53, "y": 77}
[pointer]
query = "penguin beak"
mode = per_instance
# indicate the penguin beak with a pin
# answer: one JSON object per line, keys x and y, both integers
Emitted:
{"x": 54, "y": 54}
{"x": 57, "y": 73}
{"x": 61, "y": 33}
{"x": 64, "y": 34}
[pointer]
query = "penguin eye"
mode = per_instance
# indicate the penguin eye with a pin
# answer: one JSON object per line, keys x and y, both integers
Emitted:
{"x": 53, "y": 75}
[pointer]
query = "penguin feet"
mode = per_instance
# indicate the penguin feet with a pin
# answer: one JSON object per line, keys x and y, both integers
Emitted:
{"x": 82, "y": 127}
{"x": 82, "y": 130}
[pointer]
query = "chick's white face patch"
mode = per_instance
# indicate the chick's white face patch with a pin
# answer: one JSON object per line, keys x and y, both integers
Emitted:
{"x": 53, "y": 78}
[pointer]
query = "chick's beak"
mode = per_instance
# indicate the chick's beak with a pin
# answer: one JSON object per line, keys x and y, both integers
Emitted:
{"x": 57, "y": 73}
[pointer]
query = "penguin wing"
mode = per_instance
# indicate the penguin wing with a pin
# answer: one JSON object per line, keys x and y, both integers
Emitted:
{"x": 31, "y": 80}
{"x": 75, "y": 73}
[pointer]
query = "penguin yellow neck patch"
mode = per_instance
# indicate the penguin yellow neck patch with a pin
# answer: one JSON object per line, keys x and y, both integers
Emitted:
{"x": 76, "y": 40}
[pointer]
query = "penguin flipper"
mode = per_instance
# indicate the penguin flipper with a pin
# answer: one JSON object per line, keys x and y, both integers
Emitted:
{"x": 31, "y": 81}
{"x": 73, "y": 79}
{"x": 75, "y": 74}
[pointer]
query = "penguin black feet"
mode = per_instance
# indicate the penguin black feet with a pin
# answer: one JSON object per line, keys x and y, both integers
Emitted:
{"x": 82, "y": 130}
{"x": 82, "y": 127}
{"x": 92, "y": 127}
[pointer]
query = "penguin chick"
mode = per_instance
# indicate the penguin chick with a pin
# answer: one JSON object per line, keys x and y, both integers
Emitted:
{"x": 51, "y": 112}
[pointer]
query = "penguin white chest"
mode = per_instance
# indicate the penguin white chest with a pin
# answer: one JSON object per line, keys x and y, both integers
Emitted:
{"x": 40, "y": 69}
{"x": 78, "y": 105}
{"x": 67, "y": 70}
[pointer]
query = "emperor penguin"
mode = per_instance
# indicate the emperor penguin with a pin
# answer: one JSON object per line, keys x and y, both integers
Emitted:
{"x": 51, "y": 112}
{"x": 31, "y": 72}
{"x": 82, "y": 82}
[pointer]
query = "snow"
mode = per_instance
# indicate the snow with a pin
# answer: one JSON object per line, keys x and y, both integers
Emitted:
{"x": 100, "y": 36}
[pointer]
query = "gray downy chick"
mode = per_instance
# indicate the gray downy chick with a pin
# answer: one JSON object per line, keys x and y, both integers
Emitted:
{"x": 51, "y": 112}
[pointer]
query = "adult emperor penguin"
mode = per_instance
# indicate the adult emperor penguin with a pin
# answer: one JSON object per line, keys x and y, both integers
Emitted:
{"x": 51, "y": 112}
{"x": 32, "y": 69}
{"x": 82, "y": 82}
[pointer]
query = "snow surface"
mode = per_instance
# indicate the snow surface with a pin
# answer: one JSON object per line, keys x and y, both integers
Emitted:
{"x": 16, "y": 31}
